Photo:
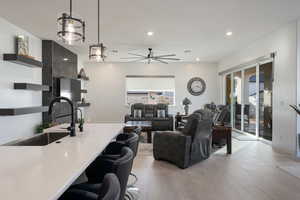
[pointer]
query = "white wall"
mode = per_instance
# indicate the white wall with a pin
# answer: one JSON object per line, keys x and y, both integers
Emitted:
{"x": 298, "y": 90}
{"x": 13, "y": 127}
{"x": 106, "y": 88}
{"x": 284, "y": 43}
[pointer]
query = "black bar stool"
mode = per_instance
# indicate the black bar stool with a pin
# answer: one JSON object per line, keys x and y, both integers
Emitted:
{"x": 131, "y": 140}
{"x": 109, "y": 190}
{"x": 116, "y": 159}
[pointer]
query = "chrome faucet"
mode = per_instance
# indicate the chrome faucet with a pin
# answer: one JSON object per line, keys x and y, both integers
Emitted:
{"x": 71, "y": 128}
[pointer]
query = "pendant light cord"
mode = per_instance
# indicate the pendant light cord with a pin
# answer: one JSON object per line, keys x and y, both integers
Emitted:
{"x": 71, "y": 8}
{"x": 98, "y": 21}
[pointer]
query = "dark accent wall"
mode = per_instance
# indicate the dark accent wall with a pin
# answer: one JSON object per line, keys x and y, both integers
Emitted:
{"x": 56, "y": 66}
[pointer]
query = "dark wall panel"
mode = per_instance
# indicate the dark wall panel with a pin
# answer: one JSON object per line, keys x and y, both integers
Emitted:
{"x": 64, "y": 62}
{"x": 55, "y": 65}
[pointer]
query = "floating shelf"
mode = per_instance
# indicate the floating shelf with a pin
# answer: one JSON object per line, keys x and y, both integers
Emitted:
{"x": 22, "y": 111}
{"x": 83, "y": 91}
{"x": 30, "y": 86}
{"x": 22, "y": 60}
{"x": 137, "y": 92}
{"x": 83, "y": 104}
{"x": 84, "y": 78}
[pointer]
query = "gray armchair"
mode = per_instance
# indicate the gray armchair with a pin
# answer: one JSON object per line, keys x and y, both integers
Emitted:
{"x": 186, "y": 147}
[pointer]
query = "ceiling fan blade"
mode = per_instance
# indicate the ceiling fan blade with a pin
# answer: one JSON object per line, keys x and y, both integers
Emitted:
{"x": 169, "y": 55}
{"x": 161, "y": 61}
{"x": 169, "y": 58}
{"x": 136, "y": 60}
{"x": 131, "y": 58}
{"x": 136, "y": 54}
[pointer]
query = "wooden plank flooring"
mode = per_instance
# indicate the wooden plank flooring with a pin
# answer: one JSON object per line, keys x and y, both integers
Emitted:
{"x": 250, "y": 173}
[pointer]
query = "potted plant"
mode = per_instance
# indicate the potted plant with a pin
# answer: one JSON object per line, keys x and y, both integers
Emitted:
{"x": 40, "y": 128}
{"x": 81, "y": 122}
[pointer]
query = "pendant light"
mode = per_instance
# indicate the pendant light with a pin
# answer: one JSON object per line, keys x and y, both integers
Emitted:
{"x": 96, "y": 51}
{"x": 71, "y": 30}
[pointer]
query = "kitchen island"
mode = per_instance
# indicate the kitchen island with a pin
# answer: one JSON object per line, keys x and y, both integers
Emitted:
{"x": 45, "y": 172}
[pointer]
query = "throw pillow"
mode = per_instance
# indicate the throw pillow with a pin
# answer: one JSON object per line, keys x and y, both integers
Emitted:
{"x": 137, "y": 113}
{"x": 161, "y": 113}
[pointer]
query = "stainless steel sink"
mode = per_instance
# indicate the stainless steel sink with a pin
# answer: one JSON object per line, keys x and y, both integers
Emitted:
{"x": 39, "y": 140}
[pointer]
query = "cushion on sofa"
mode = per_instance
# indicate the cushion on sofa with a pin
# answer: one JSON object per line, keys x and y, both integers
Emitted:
{"x": 162, "y": 107}
{"x": 161, "y": 113}
{"x": 149, "y": 115}
{"x": 138, "y": 106}
{"x": 149, "y": 110}
{"x": 137, "y": 113}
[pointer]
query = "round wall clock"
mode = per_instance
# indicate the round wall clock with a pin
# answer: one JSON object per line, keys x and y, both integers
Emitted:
{"x": 196, "y": 86}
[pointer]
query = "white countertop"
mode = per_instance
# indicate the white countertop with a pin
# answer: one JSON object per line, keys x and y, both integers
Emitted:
{"x": 45, "y": 172}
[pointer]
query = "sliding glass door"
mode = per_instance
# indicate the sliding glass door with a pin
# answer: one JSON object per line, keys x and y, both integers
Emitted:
{"x": 250, "y": 100}
{"x": 237, "y": 100}
{"x": 249, "y": 93}
{"x": 265, "y": 99}
{"x": 228, "y": 90}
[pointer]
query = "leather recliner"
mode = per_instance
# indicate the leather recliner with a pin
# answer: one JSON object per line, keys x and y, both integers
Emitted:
{"x": 186, "y": 147}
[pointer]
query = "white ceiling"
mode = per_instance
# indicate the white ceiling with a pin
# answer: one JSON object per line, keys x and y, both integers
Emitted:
{"x": 178, "y": 25}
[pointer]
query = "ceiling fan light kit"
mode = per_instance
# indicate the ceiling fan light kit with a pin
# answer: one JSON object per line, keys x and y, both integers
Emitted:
{"x": 71, "y": 30}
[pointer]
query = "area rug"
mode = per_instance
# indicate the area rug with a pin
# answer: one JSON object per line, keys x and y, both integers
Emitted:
{"x": 243, "y": 137}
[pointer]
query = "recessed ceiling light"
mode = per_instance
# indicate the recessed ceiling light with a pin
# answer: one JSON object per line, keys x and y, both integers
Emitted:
{"x": 229, "y": 33}
{"x": 150, "y": 33}
{"x": 65, "y": 59}
{"x": 197, "y": 59}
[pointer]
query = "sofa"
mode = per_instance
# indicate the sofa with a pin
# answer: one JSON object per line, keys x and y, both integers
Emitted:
{"x": 158, "y": 114}
{"x": 186, "y": 147}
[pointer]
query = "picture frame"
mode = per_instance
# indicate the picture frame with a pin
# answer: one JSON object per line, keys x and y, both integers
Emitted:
{"x": 22, "y": 45}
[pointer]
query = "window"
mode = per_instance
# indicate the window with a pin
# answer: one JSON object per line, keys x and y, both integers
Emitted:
{"x": 150, "y": 89}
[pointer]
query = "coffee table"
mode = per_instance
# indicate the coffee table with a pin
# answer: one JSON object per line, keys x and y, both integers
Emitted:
{"x": 146, "y": 126}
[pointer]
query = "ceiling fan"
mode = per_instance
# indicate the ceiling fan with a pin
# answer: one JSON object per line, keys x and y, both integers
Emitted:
{"x": 151, "y": 57}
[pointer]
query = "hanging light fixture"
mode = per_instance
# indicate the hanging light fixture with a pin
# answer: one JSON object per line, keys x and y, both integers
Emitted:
{"x": 96, "y": 51}
{"x": 72, "y": 30}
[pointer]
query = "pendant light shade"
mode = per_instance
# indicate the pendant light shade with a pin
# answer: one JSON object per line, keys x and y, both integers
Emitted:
{"x": 96, "y": 51}
{"x": 71, "y": 30}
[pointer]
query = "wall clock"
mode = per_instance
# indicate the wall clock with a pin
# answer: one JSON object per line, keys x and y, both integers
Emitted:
{"x": 196, "y": 86}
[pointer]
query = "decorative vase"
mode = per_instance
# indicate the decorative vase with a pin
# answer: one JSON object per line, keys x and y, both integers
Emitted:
{"x": 186, "y": 109}
{"x": 186, "y": 102}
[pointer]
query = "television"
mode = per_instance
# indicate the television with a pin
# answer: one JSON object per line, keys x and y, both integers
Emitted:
{"x": 70, "y": 88}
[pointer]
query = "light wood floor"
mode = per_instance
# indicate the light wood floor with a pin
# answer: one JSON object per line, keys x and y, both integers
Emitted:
{"x": 250, "y": 173}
